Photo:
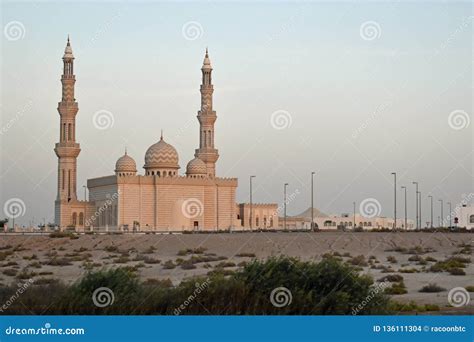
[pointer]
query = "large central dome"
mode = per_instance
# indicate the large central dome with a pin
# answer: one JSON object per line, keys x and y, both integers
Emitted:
{"x": 161, "y": 156}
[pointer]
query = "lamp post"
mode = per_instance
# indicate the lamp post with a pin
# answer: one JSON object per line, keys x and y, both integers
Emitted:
{"x": 251, "y": 204}
{"x": 406, "y": 219}
{"x": 284, "y": 203}
{"x": 450, "y": 214}
{"x": 13, "y": 216}
{"x": 431, "y": 210}
{"x": 416, "y": 197}
{"x": 419, "y": 208}
{"x": 312, "y": 200}
{"x": 354, "y": 214}
{"x": 442, "y": 217}
{"x": 394, "y": 199}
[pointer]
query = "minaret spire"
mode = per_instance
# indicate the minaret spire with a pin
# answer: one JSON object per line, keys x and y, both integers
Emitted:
{"x": 207, "y": 117}
{"x": 67, "y": 149}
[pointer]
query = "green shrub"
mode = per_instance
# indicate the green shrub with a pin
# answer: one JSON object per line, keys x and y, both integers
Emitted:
{"x": 168, "y": 265}
{"x": 456, "y": 271}
{"x": 396, "y": 288}
{"x": 393, "y": 278}
{"x": 432, "y": 288}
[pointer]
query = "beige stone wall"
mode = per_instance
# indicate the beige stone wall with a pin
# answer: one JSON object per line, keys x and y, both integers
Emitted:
{"x": 264, "y": 216}
{"x": 151, "y": 203}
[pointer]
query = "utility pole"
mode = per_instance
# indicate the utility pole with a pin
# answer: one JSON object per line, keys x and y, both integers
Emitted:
{"x": 406, "y": 218}
{"x": 416, "y": 185}
{"x": 442, "y": 217}
{"x": 284, "y": 202}
{"x": 354, "y": 215}
{"x": 431, "y": 210}
{"x": 312, "y": 200}
{"x": 395, "y": 200}
{"x": 450, "y": 214}
{"x": 251, "y": 204}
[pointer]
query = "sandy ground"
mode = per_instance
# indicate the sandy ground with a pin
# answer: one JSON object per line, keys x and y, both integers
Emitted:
{"x": 307, "y": 246}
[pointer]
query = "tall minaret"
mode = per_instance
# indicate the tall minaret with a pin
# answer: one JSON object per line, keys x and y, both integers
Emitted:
{"x": 207, "y": 117}
{"x": 67, "y": 149}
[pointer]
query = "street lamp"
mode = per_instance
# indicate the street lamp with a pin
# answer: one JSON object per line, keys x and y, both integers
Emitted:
{"x": 395, "y": 199}
{"x": 312, "y": 200}
{"x": 354, "y": 214}
{"x": 419, "y": 208}
{"x": 431, "y": 216}
{"x": 284, "y": 203}
{"x": 406, "y": 220}
{"x": 450, "y": 215}
{"x": 416, "y": 184}
{"x": 442, "y": 217}
{"x": 251, "y": 204}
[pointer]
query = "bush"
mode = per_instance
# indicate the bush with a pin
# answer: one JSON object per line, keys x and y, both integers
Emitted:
{"x": 393, "y": 278}
{"x": 391, "y": 259}
{"x": 249, "y": 255}
{"x": 359, "y": 261}
{"x": 456, "y": 271}
{"x": 396, "y": 289}
{"x": 432, "y": 288}
{"x": 327, "y": 287}
{"x": 168, "y": 265}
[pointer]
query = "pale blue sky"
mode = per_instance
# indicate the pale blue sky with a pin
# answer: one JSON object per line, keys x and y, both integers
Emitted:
{"x": 308, "y": 59}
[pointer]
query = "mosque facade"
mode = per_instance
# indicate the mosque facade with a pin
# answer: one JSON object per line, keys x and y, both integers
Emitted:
{"x": 160, "y": 198}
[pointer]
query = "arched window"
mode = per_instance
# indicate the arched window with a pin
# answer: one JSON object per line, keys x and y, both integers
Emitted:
{"x": 74, "y": 219}
{"x": 81, "y": 219}
{"x": 271, "y": 221}
{"x": 256, "y": 221}
{"x": 471, "y": 219}
{"x": 69, "y": 132}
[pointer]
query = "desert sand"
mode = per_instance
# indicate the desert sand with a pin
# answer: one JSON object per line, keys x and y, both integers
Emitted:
{"x": 34, "y": 254}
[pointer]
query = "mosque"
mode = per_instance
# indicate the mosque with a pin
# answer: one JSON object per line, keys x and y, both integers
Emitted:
{"x": 160, "y": 199}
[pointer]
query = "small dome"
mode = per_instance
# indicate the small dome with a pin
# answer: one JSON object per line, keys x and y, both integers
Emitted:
{"x": 161, "y": 155}
{"x": 125, "y": 164}
{"x": 196, "y": 167}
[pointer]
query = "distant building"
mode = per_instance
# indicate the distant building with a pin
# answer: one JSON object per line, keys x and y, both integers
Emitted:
{"x": 464, "y": 217}
{"x": 343, "y": 221}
